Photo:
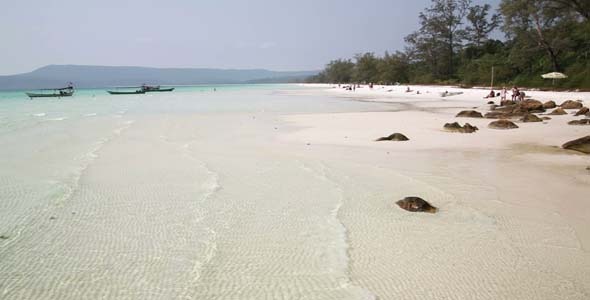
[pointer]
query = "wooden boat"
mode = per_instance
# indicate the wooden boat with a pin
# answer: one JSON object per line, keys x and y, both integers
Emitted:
{"x": 155, "y": 88}
{"x": 126, "y": 92}
{"x": 53, "y": 93}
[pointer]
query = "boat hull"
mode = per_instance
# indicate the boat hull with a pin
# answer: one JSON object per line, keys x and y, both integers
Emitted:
{"x": 52, "y": 95}
{"x": 159, "y": 90}
{"x": 126, "y": 93}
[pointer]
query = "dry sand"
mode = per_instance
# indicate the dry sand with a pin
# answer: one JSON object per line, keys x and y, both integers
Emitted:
{"x": 514, "y": 208}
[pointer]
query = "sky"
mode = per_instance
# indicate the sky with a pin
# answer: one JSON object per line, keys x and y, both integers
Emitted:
{"x": 277, "y": 35}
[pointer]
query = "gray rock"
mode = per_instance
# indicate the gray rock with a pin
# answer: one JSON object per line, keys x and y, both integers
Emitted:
{"x": 416, "y": 204}
{"x": 549, "y": 104}
{"x": 571, "y": 104}
{"x": 558, "y": 111}
{"x": 531, "y": 118}
{"x": 393, "y": 137}
{"x": 502, "y": 124}
{"x": 469, "y": 114}
{"x": 582, "y": 111}
{"x": 579, "y": 122}
{"x": 581, "y": 145}
{"x": 456, "y": 127}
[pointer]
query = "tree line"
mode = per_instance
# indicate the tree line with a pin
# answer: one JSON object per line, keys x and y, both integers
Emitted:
{"x": 453, "y": 45}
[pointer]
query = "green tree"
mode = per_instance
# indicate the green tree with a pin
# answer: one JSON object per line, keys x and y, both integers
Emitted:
{"x": 393, "y": 68}
{"x": 441, "y": 33}
{"x": 536, "y": 21}
{"x": 479, "y": 26}
{"x": 366, "y": 68}
{"x": 339, "y": 71}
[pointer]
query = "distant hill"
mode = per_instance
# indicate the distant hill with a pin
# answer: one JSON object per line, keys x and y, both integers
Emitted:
{"x": 104, "y": 76}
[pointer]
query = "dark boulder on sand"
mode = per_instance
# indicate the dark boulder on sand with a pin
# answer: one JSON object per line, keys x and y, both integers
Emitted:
{"x": 469, "y": 114}
{"x": 581, "y": 145}
{"x": 393, "y": 137}
{"x": 531, "y": 118}
{"x": 455, "y": 127}
{"x": 582, "y": 111}
{"x": 502, "y": 124}
{"x": 496, "y": 115}
{"x": 416, "y": 204}
{"x": 579, "y": 122}
{"x": 558, "y": 111}
{"x": 549, "y": 104}
{"x": 571, "y": 104}
{"x": 507, "y": 102}
{"x": 532, "y": 105}
{"x": 520, "y": 109}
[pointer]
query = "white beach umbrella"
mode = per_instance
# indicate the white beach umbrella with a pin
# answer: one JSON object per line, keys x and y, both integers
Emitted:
{"x": 553, "y": 76}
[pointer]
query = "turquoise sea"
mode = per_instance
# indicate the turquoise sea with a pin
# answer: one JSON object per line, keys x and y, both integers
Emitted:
{"x": 173, "y": 195}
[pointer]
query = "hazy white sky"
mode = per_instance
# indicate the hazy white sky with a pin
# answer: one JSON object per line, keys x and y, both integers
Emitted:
{"x": 277, "y": 35}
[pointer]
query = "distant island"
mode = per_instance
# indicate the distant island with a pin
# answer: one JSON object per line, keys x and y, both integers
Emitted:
{"x": 107, "y": 76}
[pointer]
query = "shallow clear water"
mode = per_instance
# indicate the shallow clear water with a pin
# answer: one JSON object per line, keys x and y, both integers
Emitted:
{"x": 203, "y": 194}
{"x": 167, "y": 195}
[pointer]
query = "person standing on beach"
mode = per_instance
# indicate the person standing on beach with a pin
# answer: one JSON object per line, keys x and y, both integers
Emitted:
{"x": 514, "y": 93}
{"x": 503, "y": 94}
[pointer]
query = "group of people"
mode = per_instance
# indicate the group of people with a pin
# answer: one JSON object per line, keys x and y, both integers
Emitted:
{"x": 516, "y": 94}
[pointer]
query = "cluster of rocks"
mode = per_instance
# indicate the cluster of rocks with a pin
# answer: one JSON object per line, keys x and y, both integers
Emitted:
{"x": 524, "y": 110}
{"x": 393, "y": 137}
{"x": 456, "y": 127}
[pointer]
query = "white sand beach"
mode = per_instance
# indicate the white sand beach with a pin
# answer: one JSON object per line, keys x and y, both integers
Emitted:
{"x": 281, "y": 192}
{"x": 514, "y": 206}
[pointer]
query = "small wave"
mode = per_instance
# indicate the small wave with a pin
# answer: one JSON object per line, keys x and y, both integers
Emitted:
{"x": 39, "y": 115}
{"x": 90, "y": 115}
{"x": 57, "y": 119}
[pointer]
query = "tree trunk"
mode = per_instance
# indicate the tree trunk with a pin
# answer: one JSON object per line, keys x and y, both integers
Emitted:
{"x": 450, "y": 70}
{"x": 543, "y": 43}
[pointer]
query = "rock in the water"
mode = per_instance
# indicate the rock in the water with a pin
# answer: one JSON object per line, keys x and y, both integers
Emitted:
{"x": 3, "y": 237}
{"x": 416, "y": 204}
{"x": 558, "y": 111}
{"x": 502, "y": 124}
{"x": 579, "y": 122}
{"x": 531, "y": 118}
{"x": 507, "y": 102}
{"x": 582, "y": 111}
{"x": 469, "y": 114}
{"x": 581, "y": 144}
{"x": 393, "y": 137}
{"x": 571, "y": 104}
{"x": 490, "y": 102}
{"x": 546, "y": 118}
{"x": 549, "y": 104}
{"x": 455, "y": 127}
{"x": 532, "y": 105}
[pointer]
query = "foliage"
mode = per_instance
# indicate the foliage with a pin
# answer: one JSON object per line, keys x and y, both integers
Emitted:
{"x": 453, "y": 45}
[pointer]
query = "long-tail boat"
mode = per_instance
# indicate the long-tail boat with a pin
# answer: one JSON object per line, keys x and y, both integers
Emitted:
{"x": 155, "y": 88}
{"x": 58, "y": 92}
{"x": 126, "y": 92}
